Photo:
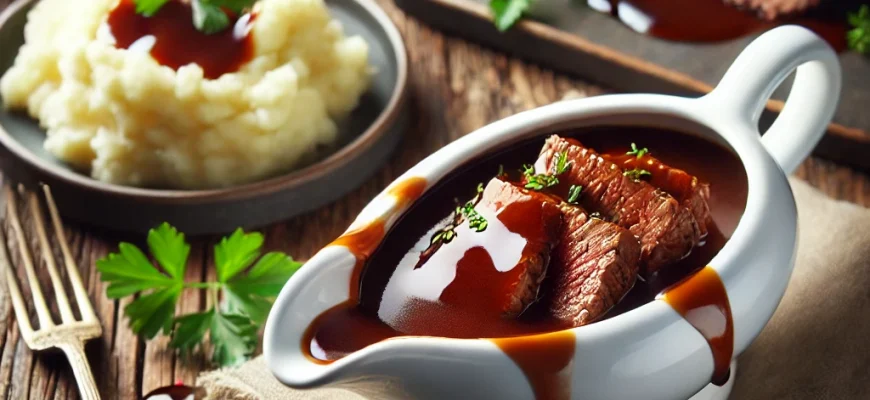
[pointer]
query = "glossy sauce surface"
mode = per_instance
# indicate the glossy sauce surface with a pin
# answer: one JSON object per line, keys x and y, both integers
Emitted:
{"x": 713, "y": 20}
{"x": 363, "y": 241}
{"x": 177, "y": 42}
{"x": 459, "y": 311}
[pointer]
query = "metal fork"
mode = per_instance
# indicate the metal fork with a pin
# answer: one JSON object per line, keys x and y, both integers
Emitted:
{"x": 70, "y": 335}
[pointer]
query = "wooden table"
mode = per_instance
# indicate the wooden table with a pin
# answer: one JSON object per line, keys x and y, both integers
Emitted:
{"x": 456, "y": 87}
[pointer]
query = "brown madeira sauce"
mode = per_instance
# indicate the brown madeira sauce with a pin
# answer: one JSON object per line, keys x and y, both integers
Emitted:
{"x": 356, "y": 324}
{"x": 702, "y": 301}
{"x": 178, "y": 42}
{"x": 713, "y": 20}
{"x": 545, "y": 359}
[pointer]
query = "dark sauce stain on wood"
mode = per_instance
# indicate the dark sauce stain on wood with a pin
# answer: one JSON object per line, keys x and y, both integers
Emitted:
{"x": 713, "y": 20}
{"x": 545, "y": 360}
{"x": 708, "y": 161}
{"x": 178, "y": 391}
{"x": 702, "y": 301}
{"x": 178, "y": 42}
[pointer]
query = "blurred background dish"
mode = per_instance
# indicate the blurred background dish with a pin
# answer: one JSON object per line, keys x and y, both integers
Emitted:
{"x": 363, "y": 141}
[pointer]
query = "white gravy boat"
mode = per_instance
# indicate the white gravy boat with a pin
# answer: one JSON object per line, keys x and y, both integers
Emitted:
{"x": 651, "y": 352}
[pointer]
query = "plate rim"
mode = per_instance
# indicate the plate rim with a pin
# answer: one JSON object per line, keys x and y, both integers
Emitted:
{"x": 385, "y": 120}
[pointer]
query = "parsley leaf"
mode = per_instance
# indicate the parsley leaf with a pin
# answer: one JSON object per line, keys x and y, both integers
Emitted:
{"x": 208, "y": 15}
{"x": 190, "y": 330}
{"x": 236, "y": 6}
{"x": 129, "y": 271}
{"x": 149, "y": 7}
{"x": 151, "y": 313}
{"x": 859, "y": 35}
{"x": 574, "y": 193}
{"x": 247, "y": 296}
{"x": 508, "y": 12}
{"x": 234, "y": 337}
{"x": 235, "y": 253}
{"x": 252, "y": 294}
{"x": 169, "y": 249}
{"x": 637, "y": 152}
{"x": 209, "y": 18}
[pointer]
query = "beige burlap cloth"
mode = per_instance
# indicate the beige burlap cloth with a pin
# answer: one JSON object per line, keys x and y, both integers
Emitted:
{"x": 817, "y": 346}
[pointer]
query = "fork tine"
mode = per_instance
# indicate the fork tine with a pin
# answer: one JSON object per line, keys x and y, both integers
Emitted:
{"x": 42, "y": 313}
{"x": 66, "y": 314}
{"x": 84, "y": 302}
{"x": 15, "y": 292}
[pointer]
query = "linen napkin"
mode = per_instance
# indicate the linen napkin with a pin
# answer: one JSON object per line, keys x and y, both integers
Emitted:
{"x": 817, "y": 346}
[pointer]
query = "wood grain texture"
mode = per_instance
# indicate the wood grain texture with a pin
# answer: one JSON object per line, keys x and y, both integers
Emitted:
{"x": 456, "y": 87}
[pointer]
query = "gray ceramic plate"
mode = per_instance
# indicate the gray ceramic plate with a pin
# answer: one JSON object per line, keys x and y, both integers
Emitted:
{"x": 368, "y": 136}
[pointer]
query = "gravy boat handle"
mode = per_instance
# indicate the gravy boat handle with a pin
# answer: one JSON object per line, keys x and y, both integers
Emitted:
{"x": 750, "y": 81}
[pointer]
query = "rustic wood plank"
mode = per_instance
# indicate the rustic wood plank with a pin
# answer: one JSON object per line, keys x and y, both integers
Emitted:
{"x": 455, "y": 88}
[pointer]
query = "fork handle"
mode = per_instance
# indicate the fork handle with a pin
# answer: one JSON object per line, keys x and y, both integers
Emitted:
{"x": 75, "y": 352}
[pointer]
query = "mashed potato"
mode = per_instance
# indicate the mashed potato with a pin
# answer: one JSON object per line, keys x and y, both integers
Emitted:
{"x": 129, "y": 120}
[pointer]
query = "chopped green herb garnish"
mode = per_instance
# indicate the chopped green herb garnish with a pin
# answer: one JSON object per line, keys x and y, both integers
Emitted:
{"x": 475, "y": 220}
{"x": 461, "y": 213}
{"x": 209, "y": 16}
{"x": 637, "y": 173}
{"x": 528, "y": 170}
{"x": 149, "y": 7}
{"x": 508, "y": 12}
{"x": 562, "y": 163}
{"x": 500, "y": 170}
{"x": 445, "y": 235}
{"x": 637, "y": 152}
{"x": 540, "y": 182}
{"x": 248, "y": 284}
{"x": 574, "y": 193}
{"x": 859, "y": 35}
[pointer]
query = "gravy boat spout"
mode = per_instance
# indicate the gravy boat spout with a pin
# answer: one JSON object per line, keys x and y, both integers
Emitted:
{"x": 652, "y": 351}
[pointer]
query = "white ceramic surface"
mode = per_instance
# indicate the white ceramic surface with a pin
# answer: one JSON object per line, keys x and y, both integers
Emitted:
{"x": 650, "y": 352}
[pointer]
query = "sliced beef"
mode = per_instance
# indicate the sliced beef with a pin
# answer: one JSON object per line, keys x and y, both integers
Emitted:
{"x": 594, "y": 266}
{"x": 509, "y": 291}
{"x": 685, "y": 188}
{"x": 667, "y": 231}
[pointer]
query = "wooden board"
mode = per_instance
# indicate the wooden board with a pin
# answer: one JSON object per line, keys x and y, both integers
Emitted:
{"x": 595, "y": 46}
{"x": 456, "y": 87}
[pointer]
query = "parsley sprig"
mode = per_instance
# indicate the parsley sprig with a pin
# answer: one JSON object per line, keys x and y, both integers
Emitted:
{"x": 637, "y": 152}
{"x": 859, "y": 35}
{"x": 209, "y": 16}
{"x": 247, "y": 282}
